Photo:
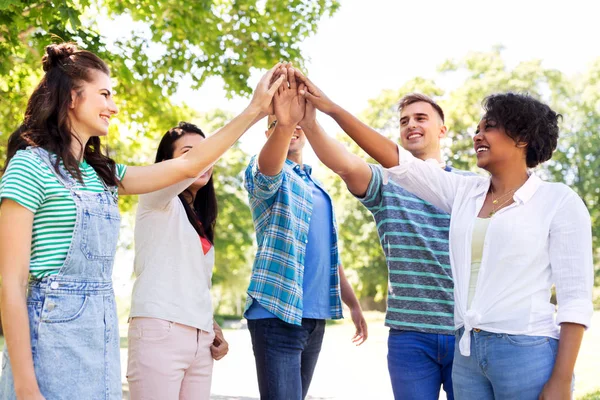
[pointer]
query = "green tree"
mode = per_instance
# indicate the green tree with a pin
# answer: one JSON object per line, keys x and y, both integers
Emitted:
{"x": 168, "y": 41}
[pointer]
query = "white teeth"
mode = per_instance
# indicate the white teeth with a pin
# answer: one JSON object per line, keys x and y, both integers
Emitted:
{"x": 413, "y": 135}
{"x": 482, "y": 149}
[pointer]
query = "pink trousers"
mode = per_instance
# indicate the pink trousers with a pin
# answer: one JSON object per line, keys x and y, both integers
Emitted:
{"x": 168, "y": 361}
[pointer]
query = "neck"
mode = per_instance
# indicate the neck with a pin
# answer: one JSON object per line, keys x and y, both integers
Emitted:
{"x": 190, "y": 195}
{"x": 507, "y": 179}
{"x": 78, "y": 144}
{"x": 428, "y": 155}
{"x": 295, "y": 157}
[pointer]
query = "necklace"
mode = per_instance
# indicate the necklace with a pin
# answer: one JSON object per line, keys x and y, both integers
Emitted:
{"x": 495, "y": 201}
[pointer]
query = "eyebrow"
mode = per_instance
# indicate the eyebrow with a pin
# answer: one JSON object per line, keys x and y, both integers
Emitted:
{"x": 109, "y": 92}
{"x": 416, "y": 115}
{"x": 186, "y": 147}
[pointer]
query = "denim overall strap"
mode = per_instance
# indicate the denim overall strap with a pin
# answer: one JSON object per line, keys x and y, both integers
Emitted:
{"x": 72, "y": 315}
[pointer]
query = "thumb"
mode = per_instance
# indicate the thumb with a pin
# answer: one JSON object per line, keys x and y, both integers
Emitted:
{"x": 275, "y": 85}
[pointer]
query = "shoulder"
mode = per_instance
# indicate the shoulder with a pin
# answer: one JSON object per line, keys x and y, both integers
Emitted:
{"x": 28, "y": 163}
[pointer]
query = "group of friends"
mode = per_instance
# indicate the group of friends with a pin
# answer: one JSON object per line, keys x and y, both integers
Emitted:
{"x": 472, "y": 258}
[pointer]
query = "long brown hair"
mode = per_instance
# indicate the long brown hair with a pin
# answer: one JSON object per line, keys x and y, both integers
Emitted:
{"x": 203, "y": 215}
{"x": 46, "y": 123}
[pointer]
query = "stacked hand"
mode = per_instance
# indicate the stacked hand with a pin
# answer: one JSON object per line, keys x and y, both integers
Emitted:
{"x": 296, "y": 98}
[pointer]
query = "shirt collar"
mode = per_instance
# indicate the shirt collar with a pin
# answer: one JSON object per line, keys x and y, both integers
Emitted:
{"x": 523, "y": 195}
{"x": 297, "y": 167}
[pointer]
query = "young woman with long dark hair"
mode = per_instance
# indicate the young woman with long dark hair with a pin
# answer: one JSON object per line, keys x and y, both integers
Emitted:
{"x": 172, "y": 335}
{"x": 59, "y": 223}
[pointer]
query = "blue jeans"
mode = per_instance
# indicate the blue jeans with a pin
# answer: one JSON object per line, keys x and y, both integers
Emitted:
{"x": 285, "y": 355}
{"x": 503, "y": 366}
{"x": 419, "y": 364}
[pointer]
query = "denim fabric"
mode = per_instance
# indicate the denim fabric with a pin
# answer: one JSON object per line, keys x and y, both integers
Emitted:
{"x": 72, "y": 315}
{"x": 286, "y": 356}
{"x": 503, "y": 366}
{"x": 419, "y": 364}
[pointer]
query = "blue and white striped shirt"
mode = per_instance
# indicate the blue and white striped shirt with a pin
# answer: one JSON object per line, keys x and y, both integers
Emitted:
{"x": 281, "y": 208}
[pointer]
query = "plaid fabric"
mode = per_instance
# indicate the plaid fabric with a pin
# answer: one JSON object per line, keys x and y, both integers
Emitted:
{"x": 281, "y": 209}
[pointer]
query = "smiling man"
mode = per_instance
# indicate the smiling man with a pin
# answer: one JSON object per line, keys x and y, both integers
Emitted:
{"x": 413, "y": 234}
{"x": 297, "y": 282}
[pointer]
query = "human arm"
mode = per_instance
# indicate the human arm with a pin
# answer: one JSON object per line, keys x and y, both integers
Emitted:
{"x": 220, "y": 347}
{"x": 352, "y": 169}
{"x": 16, "y": 226}
{"x": 559, "y": 385}
{"x": 289, "y": 107}
{"x": 382, "y": 149}
{"x": 149, "y": 178}
{"x": 349, "y": 298}
{"x": 570, "y": 247}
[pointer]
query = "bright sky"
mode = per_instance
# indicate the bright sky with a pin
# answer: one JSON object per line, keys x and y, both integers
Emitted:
{"x": 372, "y": 45}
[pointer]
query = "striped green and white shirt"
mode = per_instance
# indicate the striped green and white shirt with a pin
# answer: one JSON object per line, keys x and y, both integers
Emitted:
{"x": 30, "y": 182}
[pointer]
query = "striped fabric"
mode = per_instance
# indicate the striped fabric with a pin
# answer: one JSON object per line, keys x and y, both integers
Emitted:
{"x": 31, "y": 183}
{"x": 414, "y": 237}
{"x": 281, "y": 209}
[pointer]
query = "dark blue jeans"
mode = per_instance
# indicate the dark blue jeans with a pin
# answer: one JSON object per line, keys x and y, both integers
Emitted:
{"x": 419, "y": 363}
{"x": 285, "y": 355}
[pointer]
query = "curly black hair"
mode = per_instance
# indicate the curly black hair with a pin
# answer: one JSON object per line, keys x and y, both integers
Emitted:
{"x": 526, "y": 120}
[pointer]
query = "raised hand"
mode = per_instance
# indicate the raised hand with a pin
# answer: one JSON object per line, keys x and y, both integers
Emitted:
{"x": 310, "y": 112}
{"x": 314, "y": 95}
{"x": 289, "y": 104}
{"x": 266, "y": 89}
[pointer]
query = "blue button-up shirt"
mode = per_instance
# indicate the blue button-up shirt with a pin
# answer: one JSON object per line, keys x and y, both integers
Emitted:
{"x": 281, "y": 209}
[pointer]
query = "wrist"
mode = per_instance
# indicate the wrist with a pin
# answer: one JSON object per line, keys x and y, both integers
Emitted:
{"x": 333, "y": 110}
{"x": 309, "y": 125}
{"x": 253, "y": 110}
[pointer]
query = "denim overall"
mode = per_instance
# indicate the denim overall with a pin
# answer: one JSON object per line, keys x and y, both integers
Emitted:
{"x": 72, "y": 315}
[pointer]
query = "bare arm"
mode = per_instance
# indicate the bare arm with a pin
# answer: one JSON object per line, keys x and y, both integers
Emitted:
{"x": 349, "y": 298}
{"x": 351, "y": 168}
{"x": 146, "y": 179}
{"x": 559, "y": 384}
{"x": 289, "y": 109}
{"x": 382, "y": 149}
{"x": 16, "y": 226}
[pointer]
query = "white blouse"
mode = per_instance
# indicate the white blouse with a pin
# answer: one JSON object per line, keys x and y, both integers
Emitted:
{"x": 544, "y": 237}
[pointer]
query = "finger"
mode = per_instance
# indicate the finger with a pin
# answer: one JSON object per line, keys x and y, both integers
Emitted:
{"x": 275, "y": 86}
{"x": 302, "y": 78}
{"x": 308, "y": 96}
{"x": 292, "y": 79}
{"x": 284, "y": 85}
{"x": 267, "y": 77}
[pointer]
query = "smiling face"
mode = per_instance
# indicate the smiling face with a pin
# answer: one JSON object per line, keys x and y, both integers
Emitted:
{"x": 184, "y": 144}
{"x": 494, "y": 148}
{"x": 421, "y": 129}
{"x": 92, "y": 106}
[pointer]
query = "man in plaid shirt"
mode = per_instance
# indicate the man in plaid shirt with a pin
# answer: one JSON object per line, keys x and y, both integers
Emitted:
{"x": 297, "y": 278}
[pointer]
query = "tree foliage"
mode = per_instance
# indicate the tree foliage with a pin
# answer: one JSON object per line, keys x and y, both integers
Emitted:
{"x": 162, "y": 43}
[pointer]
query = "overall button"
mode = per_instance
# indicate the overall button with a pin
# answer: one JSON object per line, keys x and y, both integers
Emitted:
{"x": 54, "y": 285}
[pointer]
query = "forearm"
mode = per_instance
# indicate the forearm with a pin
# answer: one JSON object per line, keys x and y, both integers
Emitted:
{"x": 204, "y": 155}
{"x": 273, "y": 154}
{"x": 382, "y": 149}
{"x": 15, "y": 324}
{"x": 569, "y": 343}
{"x": 332, "y": 153}
{"x": 348, "y": 296}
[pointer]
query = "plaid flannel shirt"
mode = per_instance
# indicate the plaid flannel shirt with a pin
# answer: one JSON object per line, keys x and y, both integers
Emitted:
{"x": 281, "y": 209}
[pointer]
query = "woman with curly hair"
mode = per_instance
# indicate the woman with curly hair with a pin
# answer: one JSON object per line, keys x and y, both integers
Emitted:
{"x": 59, "y": 224}
{"x": 512, "y": 236}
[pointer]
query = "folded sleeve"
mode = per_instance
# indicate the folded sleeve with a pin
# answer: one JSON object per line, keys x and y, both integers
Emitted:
{"x": 571, "y": 260}
{"x": 259, "y": 185}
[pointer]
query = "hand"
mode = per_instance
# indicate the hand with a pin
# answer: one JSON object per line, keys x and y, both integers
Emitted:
{"x": 220, "y": 347}
{"x": 361, "y": 326}
{"x": 314, "y": 95}
{"x": 262, "y": 99}
{"x": 310, "y": 111}
{"x": 556, "y": 390}
{"x": 289, "y": 105}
